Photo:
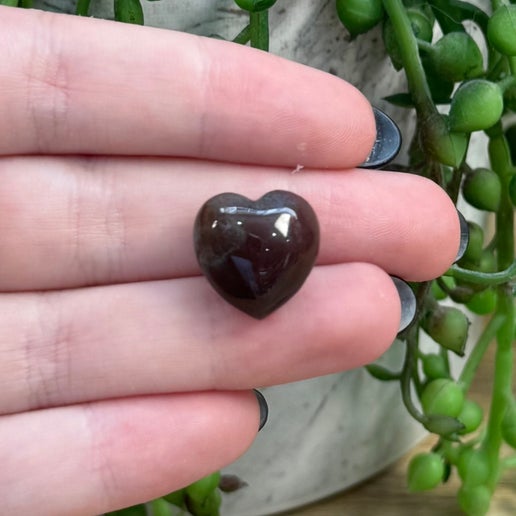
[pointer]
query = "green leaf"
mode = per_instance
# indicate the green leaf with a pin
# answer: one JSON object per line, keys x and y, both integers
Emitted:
{"x": 447, "y": 147}
{"x": 359, "y": 16}
{"x": 176, "y": 498}
{"x": 382, "y": 373}
{"x": 134, "y": 510}
{"x": 474, "y": 500}
{"x": 209, "y": 507}
{"x": 255, "y": 6}
{"x": 446, "y": 426}
{"x": 456, "y": 57}
{"x": 448, "y": 326}
{"x": 203, "y": 488}
{"x": 476, "y": 105}
{"x": 501, "y": 31}
{"x": 160, "y": 507}
{"x": 400, "y": 100}
{"x": 440, "y": 90}
{"x": 426, "y": 471}
{"x": 243, "y": 36}
{"x": 451, "y": 13}
{"x": 9, "y": 3}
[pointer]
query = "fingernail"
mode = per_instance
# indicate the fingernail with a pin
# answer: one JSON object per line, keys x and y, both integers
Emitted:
{"x": 264, "y": 408}
{"x": 408, "y": 302}
{"x": 464, "y": 236}
{"x": 387, "y": 143}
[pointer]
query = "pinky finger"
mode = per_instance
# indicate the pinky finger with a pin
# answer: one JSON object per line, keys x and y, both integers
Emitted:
{"x": 97, "y": 457}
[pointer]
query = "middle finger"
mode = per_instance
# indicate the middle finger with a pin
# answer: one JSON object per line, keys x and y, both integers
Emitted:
{"x": 72, "y": 222}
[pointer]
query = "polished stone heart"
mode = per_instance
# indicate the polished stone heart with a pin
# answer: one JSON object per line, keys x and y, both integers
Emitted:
{"x": 256, "y": 254}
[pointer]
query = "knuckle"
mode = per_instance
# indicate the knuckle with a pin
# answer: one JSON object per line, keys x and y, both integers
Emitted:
{"x": 46, "y": 345}
{"x": 46, "y": 73}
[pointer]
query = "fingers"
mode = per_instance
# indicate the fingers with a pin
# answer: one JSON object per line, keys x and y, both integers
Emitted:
{"x": 117, "y": 453}
{"x": 170, "y": 336}
{"x": 72, "y": 222}
{"x": 78, "y": 85}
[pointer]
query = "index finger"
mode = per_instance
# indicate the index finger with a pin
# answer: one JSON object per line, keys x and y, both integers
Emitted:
{"x": 79, "y": 85}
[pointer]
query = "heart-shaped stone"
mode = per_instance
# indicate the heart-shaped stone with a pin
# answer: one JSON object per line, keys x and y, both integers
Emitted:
{"x": 256, "y": 254}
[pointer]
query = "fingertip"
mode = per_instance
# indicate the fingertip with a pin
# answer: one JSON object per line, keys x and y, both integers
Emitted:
{"x": 176, "y": 439}
{"x": 284, "y": 113}
{"x": 348, "y": 125}
{"x": 386, "y": 310}
{"x": 357, "y": 317}
{"x": 443, "y": 235}
{"x": 121, "y": 452}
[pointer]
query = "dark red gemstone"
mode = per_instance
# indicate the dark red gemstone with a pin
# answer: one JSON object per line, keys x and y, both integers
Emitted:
{"x": 256, "y": 254}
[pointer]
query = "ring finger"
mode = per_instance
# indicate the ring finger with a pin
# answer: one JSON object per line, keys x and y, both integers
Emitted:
{"x": 153, "y": 337}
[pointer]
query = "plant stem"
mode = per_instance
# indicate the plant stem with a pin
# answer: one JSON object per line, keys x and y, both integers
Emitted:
{"x": 512, "y": 64}
{"x": 483, "y": 278}
{"x": 410, "y": 58}
{"x": 409, "y": 365}
{"x": 446, "y": 357}
{"x": 502, "y": 382}
{"x": 501, "y": 395}
{"x": 243, "y": 36}
{"x": 453, "y": 187}
{"x": 82, "y": 8}
{"x": 497, "y": 68}
{"x": 507, "y": 82}
{"x": 424, "y": 45}
{"x": 475, "y": 357}
{"x": 259, "y": 29}
{"x": 382, "y": 373}
{"x": 501, "y": 163}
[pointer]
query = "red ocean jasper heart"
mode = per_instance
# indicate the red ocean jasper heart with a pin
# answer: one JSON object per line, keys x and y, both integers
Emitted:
{"x": 256, "y": 254}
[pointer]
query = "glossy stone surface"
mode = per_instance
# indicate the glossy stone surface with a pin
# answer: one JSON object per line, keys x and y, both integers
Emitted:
{"x": 256, "y": 254}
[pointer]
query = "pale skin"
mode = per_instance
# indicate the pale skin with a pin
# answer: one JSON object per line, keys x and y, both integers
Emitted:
{"x": 123, "y": 376}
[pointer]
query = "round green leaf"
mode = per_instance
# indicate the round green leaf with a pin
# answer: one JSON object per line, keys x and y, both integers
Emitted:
{"x": 482, "y": 189}
{"x": 442, "y": 397}
{"x": 475, "y": 106}
{"x": 425, "y": 471}
{"x": 456, "y": 57}
{"x": 359, "y": 16}
{"x": 501, "y": 30}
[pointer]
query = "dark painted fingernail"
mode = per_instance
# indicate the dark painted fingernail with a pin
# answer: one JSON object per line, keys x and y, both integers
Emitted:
{"x": 408, "y": 302}
{"x": 264, "y": 408}
{"x": 464, "y": 236}
{"x": 387, "y": 143}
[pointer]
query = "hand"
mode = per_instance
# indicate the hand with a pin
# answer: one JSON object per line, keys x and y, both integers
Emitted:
{"x": 123, "y": 375}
